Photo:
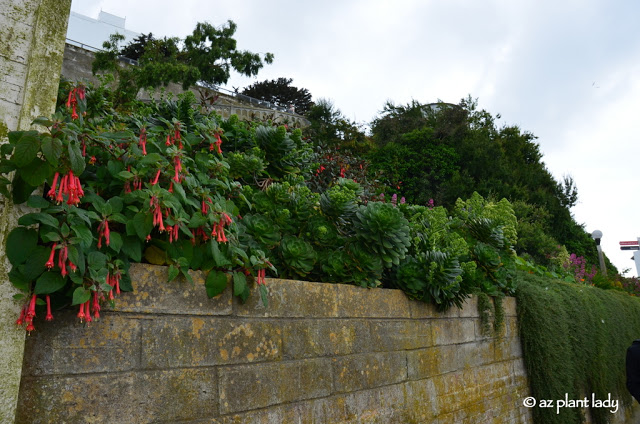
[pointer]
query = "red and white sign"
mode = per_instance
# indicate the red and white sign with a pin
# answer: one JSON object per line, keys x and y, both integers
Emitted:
{"x": 629, "y": 243}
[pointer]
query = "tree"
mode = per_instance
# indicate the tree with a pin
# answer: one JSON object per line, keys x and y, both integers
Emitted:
{"x": 207, "y": 56}
{"x": 281, "y": 93}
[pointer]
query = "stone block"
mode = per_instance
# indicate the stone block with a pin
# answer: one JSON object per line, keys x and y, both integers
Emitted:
{"x": 247, "y": 387}
{"x": 153, "y": 293}
{"x": 290, "y": 298}
{"x": 469, "y": 308}
{"x": 390, "y": 335}
{"x": 452, "y": 331}
{"x": 177, "y": 394}
{"x": 314, "y": 338}
{"x": 65, "y": 346}
{"x": 421, "y": 401}
{"x": 360, "y": 302}
{"x": 509, "y": 304}
{"x": 365, "y": 371}
{"x": 170, "y": 342}
{"x": 429, "y": 310}
{"x": 131, "y": 397}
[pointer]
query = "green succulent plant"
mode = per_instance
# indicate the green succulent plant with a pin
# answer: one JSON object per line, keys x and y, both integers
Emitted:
{"x": 298, "y": 256}
{"x": 262, "y": 229}
{"x": 383, "y": 230}
{"x": 433, "y": 277}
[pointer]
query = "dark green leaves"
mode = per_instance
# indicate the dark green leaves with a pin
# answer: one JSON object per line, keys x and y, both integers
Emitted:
{"x": 49, "y": 282}
{"x": 215, "y": 283}
{"x": 26, "y": 148}
{"x": 20, "y": 243}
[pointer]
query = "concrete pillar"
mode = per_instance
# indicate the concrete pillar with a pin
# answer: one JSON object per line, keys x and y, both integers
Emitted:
{"x": 32, "y": 36}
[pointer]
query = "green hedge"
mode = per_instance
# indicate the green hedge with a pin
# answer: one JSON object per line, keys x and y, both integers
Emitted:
{"x": 574, "y": 341}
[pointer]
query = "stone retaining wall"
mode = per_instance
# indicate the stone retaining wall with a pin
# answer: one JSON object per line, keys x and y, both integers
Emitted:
{"x": 320, "y": 353}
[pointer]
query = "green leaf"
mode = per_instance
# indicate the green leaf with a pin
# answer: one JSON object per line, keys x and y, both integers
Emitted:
{"x": 197, "y": 220}
{"x": 36, "y": 263}
{"x": 77, "y": 258}
{"x": 152, "y": 158}
{"x": 76, "y": 159}
{"x": 84, "y": 234}
{"x": 263, "y": 296}
{"x": 143, "y": 224}
{"x": 81, "y": 295}
{"x": 49, "y": 236}
{"x": 49, "y": 282}
{"x": 173, "y": 272}
{"x": 116, "y": 204}
{"x": 97, "y": 260}
{"x": 41, "y": 120}
{"x": 19, "y": 280}
{"x": 125, "y": 175}
{"x": 220, "y": 259}
{"x": 215, "y": 283}
{"x": 20, "y": 190}
{"x": 132, "y": 247}
{"x": 26, "y": 149}
{"x": 37, "y": 202}
{"x": 52, "y": 150}
{"x": 20, "y": 243}
{"x": 125, "y": 283}
{"x": 115, "y": 241}
{"x": 38, "y": 217}
{"x": 240, "y": 284}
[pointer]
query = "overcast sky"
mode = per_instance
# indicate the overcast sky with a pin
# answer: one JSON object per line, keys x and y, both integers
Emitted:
{"x": 566, "y": 71}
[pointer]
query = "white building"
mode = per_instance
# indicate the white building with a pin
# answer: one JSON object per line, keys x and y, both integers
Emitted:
{"x": 90, "y": 33}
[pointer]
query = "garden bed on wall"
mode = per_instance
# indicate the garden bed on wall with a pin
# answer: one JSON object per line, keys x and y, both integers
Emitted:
{"x": 318, "y": 353}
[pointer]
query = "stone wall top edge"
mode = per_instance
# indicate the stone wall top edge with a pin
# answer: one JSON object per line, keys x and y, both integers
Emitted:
{"x": 292, "y": 298}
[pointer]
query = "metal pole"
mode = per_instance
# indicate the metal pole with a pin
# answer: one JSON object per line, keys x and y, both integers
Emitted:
{"x": 603, "y": 268}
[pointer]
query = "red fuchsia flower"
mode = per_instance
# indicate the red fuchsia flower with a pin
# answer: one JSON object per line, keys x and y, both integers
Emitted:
{"x": 49, "y": 263}
{"x": 260, "y": 278}
{"x": 155, "y": 180}
{"x": 193, "y": 237}
{"x": 171, "y": 187}
{"x": 218, "y": 143}
{"x": 157, "y": 213}
{"x": 342, "y": 171}
{"x": 143, "y": 140}
{"x": 96, "y": 305}
{"x": 103, "y": 231}
{"x": 30, "y": 327}
{"x": 21, "y": 318}
{"x": 84, "y": 149}
{"x": 31, "y": 310}
{"x": 62, "y": 259}
{"x": 52, "y": 192}
{"x": 87, "y": 313}
{"x": 177, "y": 167}
{"x": 169, "y": 141}
{"x": 49, "y": 316}
{"x": 92, "y": 160}
{"x": 173, "y": 232}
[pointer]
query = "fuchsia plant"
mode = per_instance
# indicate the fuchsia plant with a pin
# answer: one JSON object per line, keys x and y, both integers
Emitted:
{"x": 120, "y": 189}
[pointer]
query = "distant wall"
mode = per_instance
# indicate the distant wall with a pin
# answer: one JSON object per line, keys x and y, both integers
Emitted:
{"x": 77, "y": 67}
{"x": 320, "y": 353}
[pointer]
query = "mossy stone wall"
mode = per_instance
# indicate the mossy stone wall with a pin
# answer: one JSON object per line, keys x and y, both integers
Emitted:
{"x": 320, "y": 353}
{"x": 32, "y": 34}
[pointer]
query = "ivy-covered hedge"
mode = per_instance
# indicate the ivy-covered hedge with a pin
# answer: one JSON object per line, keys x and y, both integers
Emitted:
{"x": 574, "y": 340}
